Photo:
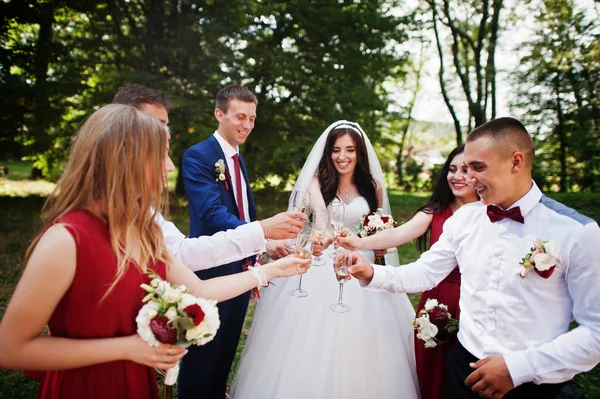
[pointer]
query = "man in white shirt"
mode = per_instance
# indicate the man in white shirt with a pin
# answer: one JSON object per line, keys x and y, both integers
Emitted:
{"x": 206, "y": 251}
{"x": 514, "y": 323}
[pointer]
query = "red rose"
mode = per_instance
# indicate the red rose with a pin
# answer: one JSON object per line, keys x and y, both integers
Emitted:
{"x": 162, "y": 330}
{"x": 439, "y": 317}
{"x": 385, "y": 219}
{"x": 195, "y": 312}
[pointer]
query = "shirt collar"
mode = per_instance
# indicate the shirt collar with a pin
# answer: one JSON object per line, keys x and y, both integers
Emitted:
{"x": 529, "y": 200}
{"x": 228, "y": 150}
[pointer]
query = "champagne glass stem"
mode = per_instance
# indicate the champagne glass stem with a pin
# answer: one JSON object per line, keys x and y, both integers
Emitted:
{"x": 341, "y": 294}
{"x": 300, "y": 283}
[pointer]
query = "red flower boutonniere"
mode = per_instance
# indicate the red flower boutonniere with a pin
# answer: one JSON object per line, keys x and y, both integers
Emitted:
{"x": 543, "y": 257}
{"x": 222, "y": 173}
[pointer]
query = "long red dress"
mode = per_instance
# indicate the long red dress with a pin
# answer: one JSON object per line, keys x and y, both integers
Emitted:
{"x": 431, "y": 362}
{"x": 83, "y": 314}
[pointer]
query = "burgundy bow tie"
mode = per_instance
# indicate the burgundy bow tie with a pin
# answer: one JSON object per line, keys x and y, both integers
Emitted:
{"x": 496, "y": 213}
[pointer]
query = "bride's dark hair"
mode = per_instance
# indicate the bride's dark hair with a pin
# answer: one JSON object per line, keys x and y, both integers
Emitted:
{"x": 362, "y": 178}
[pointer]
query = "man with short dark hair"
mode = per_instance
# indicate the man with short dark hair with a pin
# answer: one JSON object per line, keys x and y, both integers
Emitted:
{"x": 220, "y": 198}
{"x": 528, "y": 265}
{"x": 204, "y": 252}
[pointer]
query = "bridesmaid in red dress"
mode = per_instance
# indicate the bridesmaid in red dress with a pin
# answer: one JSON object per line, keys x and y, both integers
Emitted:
{"x": 83, "y": 272}
{"x": 449, "y": 193}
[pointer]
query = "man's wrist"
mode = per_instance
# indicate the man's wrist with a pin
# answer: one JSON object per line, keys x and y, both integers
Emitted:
{"x": 263, "y": 226}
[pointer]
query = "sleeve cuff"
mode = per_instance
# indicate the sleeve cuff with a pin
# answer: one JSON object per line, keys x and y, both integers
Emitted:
{"x": 378, "y": 278}
{"x": 255, "y": 235}
{"x": 520, "y": 369}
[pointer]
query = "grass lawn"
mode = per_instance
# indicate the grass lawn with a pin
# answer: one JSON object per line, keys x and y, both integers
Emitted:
{"x": 19, "y": 216}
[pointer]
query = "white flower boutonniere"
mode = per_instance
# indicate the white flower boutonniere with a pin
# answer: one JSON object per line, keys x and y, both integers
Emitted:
{"x": 543, "y": 258}
{"x": 222, "y": 173}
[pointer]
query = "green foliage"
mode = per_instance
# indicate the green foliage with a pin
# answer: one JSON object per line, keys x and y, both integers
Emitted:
{"x": 309, "y": 64}
{"x": 558, "y": 85}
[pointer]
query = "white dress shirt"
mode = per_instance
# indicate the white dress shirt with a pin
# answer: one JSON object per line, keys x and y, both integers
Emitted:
{"x": 209, "y": 251}
{"x": 229, "y": 152}
{"x": 524, "y": 319}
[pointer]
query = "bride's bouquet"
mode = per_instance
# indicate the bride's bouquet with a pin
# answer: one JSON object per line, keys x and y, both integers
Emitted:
{"x": 434, "y": 323}
{"x": 373, "y": 222}
{"x": 173, "y": 316}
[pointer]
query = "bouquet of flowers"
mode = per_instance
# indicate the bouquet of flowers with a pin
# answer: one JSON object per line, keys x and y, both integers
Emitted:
{"x": 372, "y": 223}
{"x": 543, "y": 257}
{"x": 173, "y": 316}
{"x": 434, "y": 323}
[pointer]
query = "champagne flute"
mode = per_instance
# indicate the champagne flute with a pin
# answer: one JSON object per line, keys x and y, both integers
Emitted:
{"x": 336, "y": 216}
{"x": 300, "y": 200}
{"x": 303, "y": 248}
{"x": 321, "y": 223}
{"x": 340, "y": 265}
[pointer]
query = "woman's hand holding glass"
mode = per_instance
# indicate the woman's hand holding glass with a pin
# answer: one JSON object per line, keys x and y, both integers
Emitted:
{"x": 341, "y": 263}
{"x": 303, "y": 248}
{"x": 347, "y": 239}
{"x": 286, "y": 267}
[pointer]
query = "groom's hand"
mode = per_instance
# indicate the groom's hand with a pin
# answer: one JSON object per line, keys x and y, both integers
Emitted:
{"x": 361, "y": 269}
{"x": 491, "y": 378}
{"x": 283, "y": 225}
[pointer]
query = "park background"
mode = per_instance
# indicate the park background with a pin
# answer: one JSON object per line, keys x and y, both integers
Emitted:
{"x": 417, "y": 76}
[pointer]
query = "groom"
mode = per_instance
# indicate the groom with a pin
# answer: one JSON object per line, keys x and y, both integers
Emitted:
{"x": 220, "y": 198}
{"x": 514, "y": 336}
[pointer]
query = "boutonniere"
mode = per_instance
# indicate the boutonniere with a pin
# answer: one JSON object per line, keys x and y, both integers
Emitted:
{"x": 222, "y": 173}
{"x": 543, "y": 258}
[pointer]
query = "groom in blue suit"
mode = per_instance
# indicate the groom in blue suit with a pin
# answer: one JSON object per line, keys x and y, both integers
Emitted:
{"x": 220, "y": 198}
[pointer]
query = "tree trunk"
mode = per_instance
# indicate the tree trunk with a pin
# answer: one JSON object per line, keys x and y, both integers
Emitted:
{"x": 560, "y": 129}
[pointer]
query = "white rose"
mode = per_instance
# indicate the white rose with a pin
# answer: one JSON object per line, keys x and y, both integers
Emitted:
{"x": 430, "y": 344}
{"x": 427, "y": 330}
{"x": 172, "y": 295}
{"x": 145, "y": 315}
{"x": 186, "y": 300}
{"x": 378, "y": 223}
{"x": 171, "y": 313}
{"x": 551, "y": 249}
{"x": 431, "y": 303}
{"x": 544, "y": 261}
{"x": 222, "y": 177}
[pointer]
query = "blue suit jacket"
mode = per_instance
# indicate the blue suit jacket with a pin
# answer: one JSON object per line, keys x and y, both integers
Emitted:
{"x": 212, "y": 203}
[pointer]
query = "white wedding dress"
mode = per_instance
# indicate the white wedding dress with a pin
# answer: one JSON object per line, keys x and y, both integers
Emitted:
{"x": 299, "y": 348}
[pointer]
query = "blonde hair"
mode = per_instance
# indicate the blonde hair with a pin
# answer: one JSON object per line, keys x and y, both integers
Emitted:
{"x": 117, "y": 161}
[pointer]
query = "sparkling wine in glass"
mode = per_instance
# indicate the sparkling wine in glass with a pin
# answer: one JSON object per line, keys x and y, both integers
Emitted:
{"x": 300, "y": 201}
{"x": 340, "y": 265}
{"x": 303, "y": 248}
{"x": 321, "y": 222}
{"x": 336, "y": 217}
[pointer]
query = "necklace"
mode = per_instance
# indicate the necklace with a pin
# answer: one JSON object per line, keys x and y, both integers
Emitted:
{"x": 346, "y": 195}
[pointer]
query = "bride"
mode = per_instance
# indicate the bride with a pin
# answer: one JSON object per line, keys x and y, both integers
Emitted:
{"x": 298, "y": 347}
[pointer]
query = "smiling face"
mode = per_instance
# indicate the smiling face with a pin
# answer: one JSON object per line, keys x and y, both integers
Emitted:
{"x": 491, "y": 172}
{"x": 343, "y": 155}
{"x": 457, "y": 179}
{"x": 236, "y": 124}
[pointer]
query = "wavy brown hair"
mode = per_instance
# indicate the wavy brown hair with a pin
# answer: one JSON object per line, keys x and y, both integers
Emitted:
{"x": 362, "y": 178}
{"x": 441, "y": 197}
{"x": 116, "y": 164}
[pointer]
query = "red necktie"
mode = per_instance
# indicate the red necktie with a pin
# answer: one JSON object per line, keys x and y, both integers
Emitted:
{"x": 496, "y": 213}
{"x": 238, "y": 186}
